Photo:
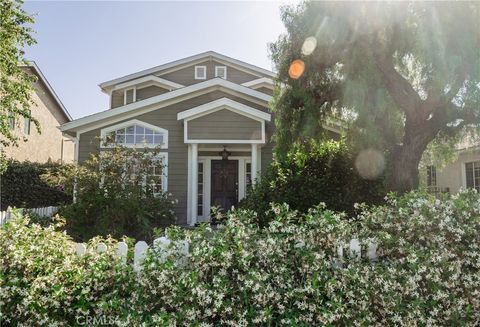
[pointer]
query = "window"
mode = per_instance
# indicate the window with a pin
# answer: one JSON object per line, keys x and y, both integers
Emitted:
{"x": 11, "y": 123}
{"x": 248, "y": 176}
{"x": 200, "y": 72}
{"x": 200, "y": 190}
{"x": 26, "y": 124}
{"x": 431, "y": 176}
{"x": 135, "y": 134}
{"x": 221, "y": 71}
{"x": 157, "y": 175}
{"x": 129, "y": 96}
{"x": 472, "y": 171}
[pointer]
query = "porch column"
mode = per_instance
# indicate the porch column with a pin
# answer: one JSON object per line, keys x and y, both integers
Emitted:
{"x": 194, "y": 184}
{"x": 254, "y": 162}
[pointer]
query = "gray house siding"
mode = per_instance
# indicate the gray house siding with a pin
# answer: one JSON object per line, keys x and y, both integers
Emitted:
{"x": 224, "y": 124}
{"x": 177, "y": 150}
{"x": 149, "y": 91}
{"x": 186, "y": 76}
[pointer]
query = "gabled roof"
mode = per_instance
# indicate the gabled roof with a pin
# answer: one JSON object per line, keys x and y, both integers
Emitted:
{"x": 149, "y": 79}
{"x": 263, "y": 81}
{"x": 187, "y": 60}
{"x": 223, "y": 103}
{"x": 163, "y": 100}
{"x": 38, "y": 72}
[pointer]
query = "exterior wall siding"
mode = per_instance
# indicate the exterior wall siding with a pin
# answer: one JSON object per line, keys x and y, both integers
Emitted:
{"x": 149, "y": 91}
{"x": 224, "y": 124}
{"x": 177, "y": 150}
{"x": 186, "y": 76}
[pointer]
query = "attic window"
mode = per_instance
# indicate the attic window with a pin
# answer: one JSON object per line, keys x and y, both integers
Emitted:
{"x": 129, "y": 96}
{"x": 200, "y": 72}
{"x": 135, "y": 134}
{"x": 221, "y": 71}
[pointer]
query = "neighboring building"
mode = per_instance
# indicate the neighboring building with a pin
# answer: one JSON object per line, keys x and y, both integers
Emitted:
{"x": 49, "y": 111}
{"x": 464, "y": 172}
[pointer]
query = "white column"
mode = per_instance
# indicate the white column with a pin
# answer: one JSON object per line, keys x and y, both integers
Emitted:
{"x": 194, "y": 185}
{"x": 189, "y": 185}
{"x": 254, "y": 162}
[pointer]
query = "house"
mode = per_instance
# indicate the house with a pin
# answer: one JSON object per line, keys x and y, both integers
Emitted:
{"x": 208, "y": 114}
{"x": 49, "y": 111}
{"x": 464, "y": 172}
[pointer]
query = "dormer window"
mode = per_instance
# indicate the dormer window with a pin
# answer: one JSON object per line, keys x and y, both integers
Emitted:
{"x": 200, "y": 72}
{"x": 129, "y": 96}
{"x": 221, "y": 71}
{"x": 135, "y": 133}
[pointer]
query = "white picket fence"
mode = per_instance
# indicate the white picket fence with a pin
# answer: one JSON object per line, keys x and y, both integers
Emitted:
{"x": 164, "y": 247}
{"x": 42, "y": 212}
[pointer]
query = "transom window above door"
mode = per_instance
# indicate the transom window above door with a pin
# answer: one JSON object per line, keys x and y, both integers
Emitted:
{"x": 135, "y": 133}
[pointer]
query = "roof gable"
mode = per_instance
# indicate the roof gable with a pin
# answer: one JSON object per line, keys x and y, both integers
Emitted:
{"x": 178, "y": 64}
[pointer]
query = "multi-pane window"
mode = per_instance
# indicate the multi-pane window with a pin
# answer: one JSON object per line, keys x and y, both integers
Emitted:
{"x": 472, "y": 170}
{"x": 431, "y": 176}
{"x": 221, "y": 71}
{"x": 135, "y": 135}
{"x": 248, "y": 175}
{"x": 200, "y": 189}
{"x": 156, "y": 176}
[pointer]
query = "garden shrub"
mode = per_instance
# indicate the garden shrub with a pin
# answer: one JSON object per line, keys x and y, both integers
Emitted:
{"x": 117, "y": 195}
{"x": 311, "y": 173}
{"x": 427, "y": 272}
{"x": 22, "y": 186}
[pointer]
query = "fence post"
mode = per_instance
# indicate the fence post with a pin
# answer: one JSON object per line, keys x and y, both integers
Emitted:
{"x": 372, "y": 250}
{"x": 139, "y": 254}
{"x": 355, "y": 251}
{"x": 80, "y": 249}
{"x": 122, "y": 250}
{"x": 101, "y": 247}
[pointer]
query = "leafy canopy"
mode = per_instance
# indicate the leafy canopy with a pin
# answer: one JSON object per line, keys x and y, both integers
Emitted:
{"x": 16, "y": 84}
{"x": 388, "y": 68}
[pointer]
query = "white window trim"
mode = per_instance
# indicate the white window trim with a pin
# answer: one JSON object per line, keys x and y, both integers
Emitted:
{"x": 134, "y": 89}
{"x": 104, "y": 132}
{"x": 464, "y": 171}
{"x": 197, "y": 68}
{"x": 163, "y": 156}
{"x": 217, "y": 68}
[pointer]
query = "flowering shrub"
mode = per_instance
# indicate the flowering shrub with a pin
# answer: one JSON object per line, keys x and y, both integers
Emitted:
{"x": 427, "y": 272}
{"x": 118, "y": 193}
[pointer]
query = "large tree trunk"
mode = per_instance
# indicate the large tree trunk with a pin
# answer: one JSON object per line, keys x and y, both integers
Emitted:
{"x": 406, "y": 157}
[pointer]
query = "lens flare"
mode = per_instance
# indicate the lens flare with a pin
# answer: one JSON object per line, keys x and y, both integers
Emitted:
{"x": 309, "y": 45}
{"x": 370, "y": 163}
{"x": 297, "y": 67}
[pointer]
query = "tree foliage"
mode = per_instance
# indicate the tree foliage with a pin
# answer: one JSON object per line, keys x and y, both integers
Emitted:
{"x": 404, "y": 74}
{"x": 16, "y": 85}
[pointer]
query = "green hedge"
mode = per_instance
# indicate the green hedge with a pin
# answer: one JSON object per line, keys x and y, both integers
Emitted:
{"x": 310, "y": 174}
{"x": 23, "y": 187}
{"x": 427, "y": 273}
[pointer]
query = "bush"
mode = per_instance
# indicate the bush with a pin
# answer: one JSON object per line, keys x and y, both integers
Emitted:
{"x": 23, "y": 187}
{"x": 427, "y": 272}
{"x": 312, "y": 173}
{"x": 117, "y": 195}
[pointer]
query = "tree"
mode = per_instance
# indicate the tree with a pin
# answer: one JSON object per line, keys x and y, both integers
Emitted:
{"x": 404, "y": 74}
{"x": 16, "y": 85}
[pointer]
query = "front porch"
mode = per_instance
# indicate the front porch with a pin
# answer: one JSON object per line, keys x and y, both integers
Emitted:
{"x": 225, "y": 140}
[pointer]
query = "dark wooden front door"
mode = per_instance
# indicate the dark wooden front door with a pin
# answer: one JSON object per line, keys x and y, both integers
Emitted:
{"x": 224, "y": 186}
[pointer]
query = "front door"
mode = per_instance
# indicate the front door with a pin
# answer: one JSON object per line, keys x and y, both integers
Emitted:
{"x": 224, "y": 186}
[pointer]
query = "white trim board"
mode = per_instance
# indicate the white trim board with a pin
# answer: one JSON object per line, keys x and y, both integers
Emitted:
{"x": 223, "y": 103}
{"x": 189, "y": 60}
{"x": 163, "y": 100}
{"x": 257, "y": 83}
{"x": 169, "y": 85}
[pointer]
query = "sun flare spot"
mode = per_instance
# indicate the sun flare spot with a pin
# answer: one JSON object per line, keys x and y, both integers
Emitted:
{"x": 309, "y": 45}
{"x": 297, "y": 67}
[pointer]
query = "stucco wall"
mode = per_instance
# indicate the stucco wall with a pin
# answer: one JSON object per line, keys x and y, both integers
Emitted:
{"x": 49, "y": 144}
{"x": 453, "y": 175}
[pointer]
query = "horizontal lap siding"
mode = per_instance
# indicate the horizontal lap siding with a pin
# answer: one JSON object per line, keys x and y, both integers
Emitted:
{"x": 224, "y": 124}
{"x": 186, "y": 76}
{"x": 149, "y": 91}
{"x": 177, "y": 150}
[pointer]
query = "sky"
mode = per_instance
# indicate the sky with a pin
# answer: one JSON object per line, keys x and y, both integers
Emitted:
{"x": 81, "y": 44}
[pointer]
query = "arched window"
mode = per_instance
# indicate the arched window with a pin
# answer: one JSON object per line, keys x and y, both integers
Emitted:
{"x": 135, "y": 133}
